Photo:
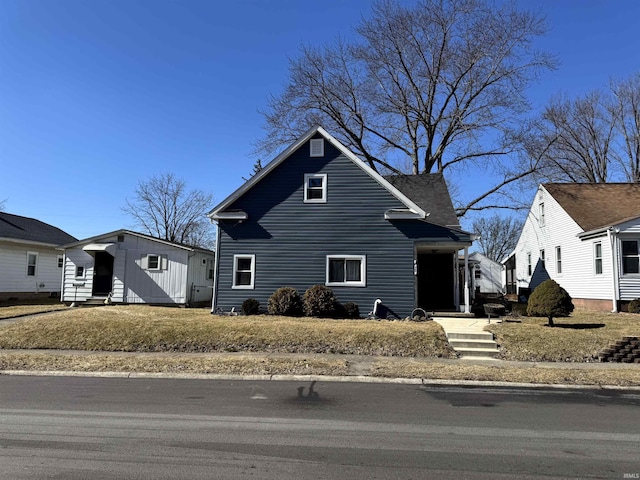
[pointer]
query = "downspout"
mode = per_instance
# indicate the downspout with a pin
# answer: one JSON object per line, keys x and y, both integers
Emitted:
{"x": 216, "y": 264}
{"x": 64, "y": 268}
{"x": 611, "y": 234}
{"x": 466, "y": 280}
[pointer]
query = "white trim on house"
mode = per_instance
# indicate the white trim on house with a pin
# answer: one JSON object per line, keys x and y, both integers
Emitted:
{"x": 110, "y": 248}
{"x": 230, "y": 215}
{"x": 216, "y": 211}
{"x": 252, "y": 271}
{"x": 362, "y": 282}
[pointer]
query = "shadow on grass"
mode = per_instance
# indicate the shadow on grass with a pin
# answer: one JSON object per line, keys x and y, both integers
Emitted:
{"x": 578, "y": 326}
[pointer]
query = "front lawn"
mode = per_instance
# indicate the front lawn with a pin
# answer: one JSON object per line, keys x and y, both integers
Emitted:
{"x": 18, "y": 308}
{"x": 159, "y": 329}
{"x": 578, "y": 338}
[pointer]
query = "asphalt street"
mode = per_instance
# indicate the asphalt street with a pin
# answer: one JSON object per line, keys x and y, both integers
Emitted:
{"x": 107, "y": 428}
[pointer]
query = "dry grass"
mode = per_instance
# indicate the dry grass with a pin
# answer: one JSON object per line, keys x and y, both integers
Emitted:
{"x": 578, "y": 338}
{"x": 7, "y": 310}
{"x": 161, "y": 329}
{"x": 179, "y": 363}
{"x": 537, "y": 375}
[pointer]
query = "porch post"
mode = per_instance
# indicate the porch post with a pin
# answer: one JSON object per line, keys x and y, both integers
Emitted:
{"x": 466, "y": 280}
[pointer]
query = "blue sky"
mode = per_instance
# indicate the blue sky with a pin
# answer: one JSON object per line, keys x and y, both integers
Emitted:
{"x": 97, "y": 95}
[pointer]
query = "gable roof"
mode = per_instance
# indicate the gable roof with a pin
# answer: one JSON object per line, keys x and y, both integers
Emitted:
{"x": 430, "y": 192}
{"x": 410, "y": 204}
{"x": 597, "y": 205}
{"x": 115, "y": 233}
{"x": 15, "y": 227}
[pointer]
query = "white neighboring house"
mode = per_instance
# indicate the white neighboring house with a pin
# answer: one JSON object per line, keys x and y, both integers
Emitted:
{"x": 584, "y": 236}
{"x": 487, "y": 274}
{"x": 131, "y": 267}
{"x": 30, "y": 265}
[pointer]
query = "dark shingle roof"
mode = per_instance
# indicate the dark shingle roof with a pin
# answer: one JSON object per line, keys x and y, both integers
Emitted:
{"x": 29, "y": 229}
{"x": 596, "y": 205}
{"x": 429, "y": 191}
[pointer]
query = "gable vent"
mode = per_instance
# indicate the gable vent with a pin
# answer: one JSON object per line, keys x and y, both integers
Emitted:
{"x": 317, "y": 147}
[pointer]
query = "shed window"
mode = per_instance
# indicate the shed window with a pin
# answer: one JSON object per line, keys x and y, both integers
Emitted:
{"x": 597, "y": 257}
{"x": 347, "y": 270}
{"x": 32, "y": 261}
{"x": 315, "y": 188}
{"x": 153, "y": 262}
{"x": 630, "y": 258}
{"x": 244, "y": 269}
{"x": 210, "y": 269}
{"x": 79, "y": 271}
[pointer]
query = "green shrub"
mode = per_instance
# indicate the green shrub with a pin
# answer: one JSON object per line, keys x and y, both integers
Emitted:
{"x": 285, "y": 301}
{"x": 319, "y": 301}
{"x": 251, "y": 306}
{"x": 549, "y": 300}
{"x": 634, "y": 306}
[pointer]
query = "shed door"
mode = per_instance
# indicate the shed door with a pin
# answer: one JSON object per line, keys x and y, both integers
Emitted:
{"x": 102, "y": 274}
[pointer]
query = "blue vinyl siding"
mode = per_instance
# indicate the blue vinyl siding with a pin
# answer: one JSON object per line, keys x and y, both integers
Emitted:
{"x": 291, "y": 239}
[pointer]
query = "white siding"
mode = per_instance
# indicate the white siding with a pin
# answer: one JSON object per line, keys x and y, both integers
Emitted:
{"x": 13, "y": 268}
{"x": 77, "y": 289}
{"x": 629, "y": 284}
{"x": 490, "y": 280}
{"x": 199, "y": 285}
{"x": 578, "y": 275}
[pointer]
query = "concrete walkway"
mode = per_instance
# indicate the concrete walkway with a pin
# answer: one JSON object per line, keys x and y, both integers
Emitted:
{"x": 468, "y": 337}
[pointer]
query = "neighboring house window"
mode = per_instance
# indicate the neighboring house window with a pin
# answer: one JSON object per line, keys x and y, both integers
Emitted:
{"x": 558, "y": 260}
{"x": 317, "y": 147}
{"x": 120, "y": 238}
{"x": 541, "y": 213}
{"x": 542, "y": 259}
{"x": 477, "y": 274}
{"x": 348, "y": 270}
{"x": 153, "y": 262}
{"x": 60, "y": 261}
{"x": 630, "y": 258}
{"x": 315, "y": 188}
{"x": 244, "y": 269}
{"x": 597, "y": 257}
{"x": 32, "y": 261}
{"x": 79, "y": 271}
{"x": 529, "y": 271}
{"x": 210, "y": 269}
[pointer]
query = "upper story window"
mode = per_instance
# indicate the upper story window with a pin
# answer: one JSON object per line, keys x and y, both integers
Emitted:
{"x": 529, "y": 270}
{"x": 630, "y": 257}
{"x": 558, "y": 260}
{"x": 315, "y": 188}
{"x": 244, "y": 271}
{"x": 541, "y": 214}
{"x": 597, "y": 257}
{"x": 542, "y": 258}
{"x": 316, "y": 146}
{"x": 32, "y": 261}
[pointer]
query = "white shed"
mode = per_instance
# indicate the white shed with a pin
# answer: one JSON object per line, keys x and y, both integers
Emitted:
{"x": 130, "y": 267}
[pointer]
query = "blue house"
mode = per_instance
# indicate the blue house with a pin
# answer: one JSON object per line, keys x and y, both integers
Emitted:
{"x": 317, "y": 214}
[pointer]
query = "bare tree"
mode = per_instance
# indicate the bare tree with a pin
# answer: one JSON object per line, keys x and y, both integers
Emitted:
{"x": 583, "y": 132}
{"x": 626, "y": 105}
{"x": 257, "y": 166}
{"x": 498, "y": 235}
{"x": 164, "y": 208}
{"x": 2, "y": 203}
{"x": 441, "y": 83}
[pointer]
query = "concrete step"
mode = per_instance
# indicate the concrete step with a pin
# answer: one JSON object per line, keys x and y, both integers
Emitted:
{"x": 467, "y": 335}
{"x": 478, "y": 353}
{"x": 473, "y": 343}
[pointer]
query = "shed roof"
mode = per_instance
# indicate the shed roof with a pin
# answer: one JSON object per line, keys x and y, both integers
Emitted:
{"x": 15, "y": 227}
{"x": 429, "y": 191}
{"x": 597, "y": 205}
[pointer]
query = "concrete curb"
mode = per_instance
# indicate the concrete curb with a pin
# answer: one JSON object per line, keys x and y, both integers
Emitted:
{"x": 318, "y": 378}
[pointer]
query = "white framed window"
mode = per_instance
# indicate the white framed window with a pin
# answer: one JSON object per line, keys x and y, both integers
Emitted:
{"x": 32, "y": 263}
{"x": 346, "y": 270}
{"x": 79, "y": 271}
{"x": 542, "y": 258}
{"x": 597, "y": 258}
{"x": 529, "y": 271}
{"x": 541, "y": 214}
{"x": 630, "y": 257}
{"x": 154, "y": 262}
{"x": 244, "y": 271}
{"x": 210, "y": 265}
{"x": 315, "y": 188}
{"x": 60, "y": 261}
{"x": 558, "y": 260}
{"x": 316, "y": 147}
{"x": 477, "y": 273}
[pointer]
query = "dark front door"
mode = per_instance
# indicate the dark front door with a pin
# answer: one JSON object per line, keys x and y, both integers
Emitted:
{"x": 102, "y": 274}
{"x": 435, "y": 281}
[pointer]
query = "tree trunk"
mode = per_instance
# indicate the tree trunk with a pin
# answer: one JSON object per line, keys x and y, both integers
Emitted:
{"x": 550, "y": 322}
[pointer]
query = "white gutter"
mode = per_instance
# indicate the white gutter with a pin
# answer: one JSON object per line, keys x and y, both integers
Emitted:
{"x": 611, "y": 234}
